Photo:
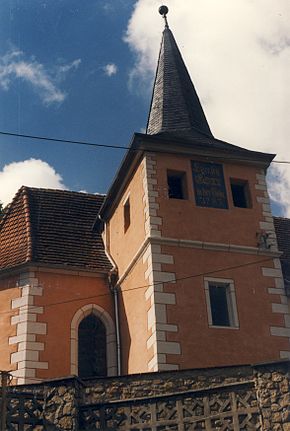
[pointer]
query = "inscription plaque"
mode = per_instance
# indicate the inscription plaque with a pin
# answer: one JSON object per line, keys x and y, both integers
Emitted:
{"x": 209, "y": 185}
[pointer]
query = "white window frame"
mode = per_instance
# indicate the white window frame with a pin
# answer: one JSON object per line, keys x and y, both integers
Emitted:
{"x": 110, "y": 337}
{"x": 231, "y": 301}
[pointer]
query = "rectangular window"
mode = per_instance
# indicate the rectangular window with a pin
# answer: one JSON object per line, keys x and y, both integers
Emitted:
{"x": 240, "y": 193}
{"x": 221, "y": 303}
{"x": 209, "y": 185}
{"x": 218, "y": 296}
{"x": 127, "y": 214}
{"x": 176, "y": 185}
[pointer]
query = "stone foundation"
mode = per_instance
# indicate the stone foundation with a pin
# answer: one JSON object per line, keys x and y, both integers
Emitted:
{"x": 231, "y": 398}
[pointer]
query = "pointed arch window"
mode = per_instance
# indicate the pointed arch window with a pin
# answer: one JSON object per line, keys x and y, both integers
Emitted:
{"x": 92, "y": 346}
{"x": 93, "y": 343}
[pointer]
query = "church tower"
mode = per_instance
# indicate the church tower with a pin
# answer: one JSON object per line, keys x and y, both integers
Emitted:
{"x": 188, "y": 226}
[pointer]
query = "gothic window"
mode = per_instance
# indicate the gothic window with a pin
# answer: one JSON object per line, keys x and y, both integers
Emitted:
{"x": 92, "y": 345}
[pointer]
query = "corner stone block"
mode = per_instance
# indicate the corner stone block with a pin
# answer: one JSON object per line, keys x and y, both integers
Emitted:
{"x": 279, "y": 331}
{"x": 24, "y": 355}
{"x": 165, "y": 277}
{"x": 280, "y": 308}
{"x": 31, "y": 328}
{"x": 168, "y": 367}
{"x": 169, "y": 347}
{"x": 164, "y": 298}
{"x": 271, "y": 272}
{"x": 151, "y": 320}
{"x": 23, "y": 318}
{"x": 162, "y": 258}
{"x": 32, "y": 290}
{"x": 33, "y": 364}
{"x": 160, "y": 314}
{"x": 22, "y": 302}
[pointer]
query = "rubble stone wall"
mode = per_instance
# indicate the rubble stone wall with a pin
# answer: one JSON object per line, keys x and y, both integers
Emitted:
{"x": 239, "y": 397}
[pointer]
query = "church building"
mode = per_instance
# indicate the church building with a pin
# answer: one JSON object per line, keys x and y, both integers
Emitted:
{"x": 177, "y": 267}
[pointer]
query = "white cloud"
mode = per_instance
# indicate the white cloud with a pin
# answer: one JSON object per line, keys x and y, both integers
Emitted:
{"x": 67, "y": 67}
{"x": 32, "y": 172}
{"x": 278, "y": 180}
{"x": 14, "y": 65}
{"x": 238, "y": 55}
{"x": 110, "y": 69}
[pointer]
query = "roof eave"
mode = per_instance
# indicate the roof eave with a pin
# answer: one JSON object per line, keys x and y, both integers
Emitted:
{"x": 141, "y": 143}
{"x": 125, "y": 171}
{"x": 18, "y": 268}
{"x": 191, "y": 147}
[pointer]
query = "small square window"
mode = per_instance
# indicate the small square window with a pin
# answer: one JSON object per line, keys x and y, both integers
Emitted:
{"x": 176, "y": 185}
{"x": 127, "y": 214}
{"x": 221, "y": 303}
{"x": 240, "y": 193}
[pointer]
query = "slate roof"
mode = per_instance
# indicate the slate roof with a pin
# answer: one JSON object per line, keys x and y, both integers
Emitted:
{"x": 282, "y": 228}
{"x": 52, "y": 227}
{"x": 175, "y": 105}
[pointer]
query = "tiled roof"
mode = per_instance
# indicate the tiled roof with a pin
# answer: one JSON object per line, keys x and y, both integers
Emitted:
{"x": 175, "y": 105}
{"x": 282, "y": 228}
{"x": 52, "y": 227}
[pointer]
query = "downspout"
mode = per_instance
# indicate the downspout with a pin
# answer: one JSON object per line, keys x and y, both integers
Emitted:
{"x": 113, "y": 277}
{"x": 117, "y": 323}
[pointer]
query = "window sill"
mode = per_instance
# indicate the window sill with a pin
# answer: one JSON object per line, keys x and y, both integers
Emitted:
{"x": 224, "y": 327}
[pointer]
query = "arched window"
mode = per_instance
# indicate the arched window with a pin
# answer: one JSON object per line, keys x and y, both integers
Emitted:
{"x": 92, "y": 346}
{"x": 93, "y": 343}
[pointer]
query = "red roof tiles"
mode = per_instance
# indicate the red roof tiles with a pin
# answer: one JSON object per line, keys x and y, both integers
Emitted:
{"x": 282, "y": 228}
{"x": 52, "y": 227}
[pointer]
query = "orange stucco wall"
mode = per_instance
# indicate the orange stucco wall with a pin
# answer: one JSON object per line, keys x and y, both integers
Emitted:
{"x": 8, "y": 292}
{"x": 183, "y": 219}
{"x": 133, "y": 322}
{"x": 202, "y": 345}
{"x": 124, "y": 245}
{"x": 63, "y": 295}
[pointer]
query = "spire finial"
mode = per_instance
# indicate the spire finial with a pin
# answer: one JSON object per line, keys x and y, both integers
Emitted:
{"x": 163, "y": 10}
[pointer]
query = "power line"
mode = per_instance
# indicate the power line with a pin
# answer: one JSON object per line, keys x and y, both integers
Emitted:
{"x": 65, "y": 141}
{"x": 93, "y": 144}
{"x": 173, "y": 281}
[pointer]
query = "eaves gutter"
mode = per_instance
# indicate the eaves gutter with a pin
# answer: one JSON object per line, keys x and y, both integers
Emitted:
{"x": 16, "y": 269}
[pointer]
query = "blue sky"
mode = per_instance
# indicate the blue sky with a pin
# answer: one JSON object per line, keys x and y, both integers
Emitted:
{"x": 96, "y": 107}
{"x": 83, "y": 71}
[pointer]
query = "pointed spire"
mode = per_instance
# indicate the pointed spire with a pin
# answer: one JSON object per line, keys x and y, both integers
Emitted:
{"x": 175, "y": 106}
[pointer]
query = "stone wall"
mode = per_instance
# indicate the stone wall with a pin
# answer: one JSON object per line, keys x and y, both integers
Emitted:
{"x": 231, "y": 398}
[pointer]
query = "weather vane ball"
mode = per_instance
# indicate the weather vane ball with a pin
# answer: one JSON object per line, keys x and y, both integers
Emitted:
{"x": 163, "y": 10}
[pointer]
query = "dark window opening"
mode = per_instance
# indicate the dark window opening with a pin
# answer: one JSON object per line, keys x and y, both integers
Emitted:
{"x": 219, "y": 305}
{"x": 127, "y": 214}
{"x": 92, "y": 347}
{"x": 240, "y": 193}
{"x": 176, "y": 185}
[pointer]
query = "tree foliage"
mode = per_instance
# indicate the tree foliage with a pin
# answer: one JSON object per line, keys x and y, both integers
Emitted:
{"x": 1, "y": 210}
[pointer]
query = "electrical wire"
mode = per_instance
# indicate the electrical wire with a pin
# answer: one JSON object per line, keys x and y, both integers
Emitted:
{"x": 173, "y": 281}
{"x": 92, "y": 144}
